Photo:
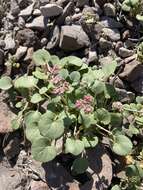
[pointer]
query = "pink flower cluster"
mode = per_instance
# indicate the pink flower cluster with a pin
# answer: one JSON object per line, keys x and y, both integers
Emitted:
{"x": 85, "y": 104}
{"x": 60, "y": 85}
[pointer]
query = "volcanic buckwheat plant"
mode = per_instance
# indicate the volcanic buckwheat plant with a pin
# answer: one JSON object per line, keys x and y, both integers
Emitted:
{"x": 66, "y": 101}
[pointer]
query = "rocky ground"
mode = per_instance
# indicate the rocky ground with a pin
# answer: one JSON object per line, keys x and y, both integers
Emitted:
{"x": 95, "y": 30}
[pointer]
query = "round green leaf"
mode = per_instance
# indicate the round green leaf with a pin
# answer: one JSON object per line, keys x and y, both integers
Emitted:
{"x": 75, "y": 76}
{"x": 54, "y": 59}
{"x": 122, "y": 145}
{"x": 26, "y": 82}
{"x": 90, "y": 142}
{"x": 41, "y": 150}
{"x": 103, "y": 116}
{"x": 74, "y": 147}
{"x": 40, "y": 75}
{"x": 71, "y": 61}
{"x": 52, "y": 130}
{"x": 5, "y": 83}
{"x": 63, "y": 73}
{"x": 41, "y": 57}
{"x": 31, "y": 121}
{"x": 109, "y": 68}
{"x": 15, "y": 123}
{"x": 36, "y": 98}
{"x": 80, "y": 165}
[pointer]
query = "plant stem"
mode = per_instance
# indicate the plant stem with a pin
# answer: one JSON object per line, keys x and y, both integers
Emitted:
{"x": 110, "y": 133}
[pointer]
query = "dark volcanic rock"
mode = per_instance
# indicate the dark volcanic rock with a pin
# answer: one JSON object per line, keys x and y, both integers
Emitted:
{"x": 26, "y": 37}
{"x": 73, "y": 38}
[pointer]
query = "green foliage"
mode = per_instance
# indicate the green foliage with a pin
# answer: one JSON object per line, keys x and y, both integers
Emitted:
{"x": 64, "y": 99}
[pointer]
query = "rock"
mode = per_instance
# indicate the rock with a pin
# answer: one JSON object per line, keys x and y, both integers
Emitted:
{"x": 66, "y": 12}
{"x": 104, "y": 44}
{"x": 29, "y": 54}
{"x": 51, "y": 10}
{"x": 21, "y": 22}
{"x": 97, "y": 8}
{"x": 92, "y": 56}
{"x": 54, "y": 38}
{"x": 20, "y": 52}
{"x": 37, "y": 23}
{"x": 100, "y": 169}
{"x": 81, "y": 3}
{"x": 38, "y": 185}
{"x": 123, "y": 52}
{"x": 23, "y": 3}
{"x": 14, "y": 8}
{"x": 6, "y": 116}
{"x": 110, "y": 23}
{"x": 132, "y": 71}
{"x": 73, "y": 38}
{"x": 9, "y": 42}
{"x": 2, "y": 44}
{"x": 10, "y": 178}
{"x": 44, "y": 41}
{"x": 111, "y": 34}
{"x": 137, "y": 85}
{"x": 118, "y": 83}
{"x": 26, "y": 37}
{"x": 27, "y": 11}
{"x": 125, "y": 96}
{"x": 36, "y": 12}
{"x": 44, "y": 2}
{"x": 109, "y": 9}
{"x": 1, "y": 61}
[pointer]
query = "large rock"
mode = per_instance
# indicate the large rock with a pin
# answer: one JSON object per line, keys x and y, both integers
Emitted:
{"x": 73, "y": 38}
{"x": 124, "y": 52}
{"x": 51, "y": 10}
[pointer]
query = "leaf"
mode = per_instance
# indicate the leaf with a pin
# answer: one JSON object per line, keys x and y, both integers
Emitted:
{"x": 64, "y": 73}
{"x": 103, "y": 116}
{"x": 139, "y": 99}
{"x": 116, "y": 187}
{"x": 109, "y": 69}
{"x": 5, "y": 83}
{"x": 80, "y": 165}
{"x": 97, "y": 87}
{"x": 71, "y": 61}
{"x": 75, "y": 76}
{"x": 122, "y": 145}
{"x": 25, "y": 82}
{"x": 40, "y": 75}
{"x": 41, "y": 57}
{"x": 43, "y": 90}
{"x": 74, "y": 147}
{"x": 116, "y": 119}
{"x": 41, "y": 150}
{"x": 36, "y": 98}
{"x": 54, "y": 59}
{"x": 90, "y": 142}
{"x": 16, "y": 123}
{"x": 110, "y": 92}
{"x": 50, "y": 128}
{"x": 31, "y": 121}
{"x": 86, "y": 119}
{"x": 139, "y": 17}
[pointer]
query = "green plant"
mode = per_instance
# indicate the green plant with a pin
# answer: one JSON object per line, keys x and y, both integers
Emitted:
{"x": 65, "y": 100}
{"x": 134, "y": 7}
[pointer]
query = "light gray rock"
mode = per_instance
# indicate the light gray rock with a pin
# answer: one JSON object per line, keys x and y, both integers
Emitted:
{"x": 81, "y": 3}
{"x": 54, "y": 37}
{"x": 123, "y": 52}
{"x": 73, "y": 38}
{"x": 125, "y": 96}
{"x": 51, "y": 10}
{"x": 44, "y": 2}
{"x": 109, "y": 9}
{"x": 27, "y": 11}
{"x": 36, "y": 12}
{"x": 14, "y": 7}
{"x": 9, "y": 42}
{"x": 37, "y": 23}
{"x": 109, "y": 22}
{"x": 112, "y": 34}
{"x": 20, "y": 52}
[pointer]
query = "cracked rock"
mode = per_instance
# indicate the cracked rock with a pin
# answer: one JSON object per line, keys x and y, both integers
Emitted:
{"x": 73, "y": 38}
